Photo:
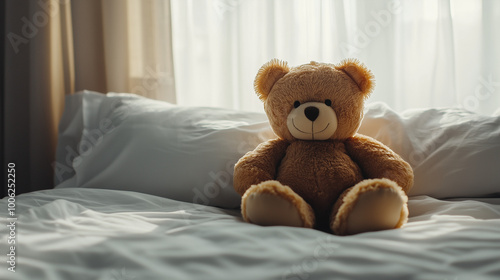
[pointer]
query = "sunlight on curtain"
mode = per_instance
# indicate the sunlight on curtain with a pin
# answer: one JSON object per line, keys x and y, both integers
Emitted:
{"x": 423, "y": 53}
{"x": 150, "y": 49}
{"x": 124, "y": 46}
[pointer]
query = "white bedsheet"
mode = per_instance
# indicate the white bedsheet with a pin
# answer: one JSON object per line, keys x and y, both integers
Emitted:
{"x": 108, "y": 234}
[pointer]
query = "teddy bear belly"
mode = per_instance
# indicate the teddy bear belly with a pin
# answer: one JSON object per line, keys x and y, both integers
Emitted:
{"x": 319, "y": 173}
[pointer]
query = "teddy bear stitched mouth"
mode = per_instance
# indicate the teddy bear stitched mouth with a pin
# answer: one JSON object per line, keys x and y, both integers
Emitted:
{"x": 293, "y": 122}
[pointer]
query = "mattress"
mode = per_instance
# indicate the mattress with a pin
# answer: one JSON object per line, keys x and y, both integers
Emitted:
{"x": 84, "y": 233}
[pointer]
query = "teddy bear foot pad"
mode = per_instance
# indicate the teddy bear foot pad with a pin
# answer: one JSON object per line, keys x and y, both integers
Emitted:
{"x": 377, "y": 205}
{"x": 271, "y": 203}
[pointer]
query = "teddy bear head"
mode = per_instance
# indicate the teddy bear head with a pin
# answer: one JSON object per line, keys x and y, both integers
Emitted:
{"x": 315, "y": 101}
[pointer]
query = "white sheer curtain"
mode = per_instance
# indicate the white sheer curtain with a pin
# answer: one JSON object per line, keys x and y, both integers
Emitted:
{"x": 423, "y": 53}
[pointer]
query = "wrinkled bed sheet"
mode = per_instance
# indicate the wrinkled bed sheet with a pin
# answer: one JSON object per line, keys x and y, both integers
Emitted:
{"x": 109, "y": 234}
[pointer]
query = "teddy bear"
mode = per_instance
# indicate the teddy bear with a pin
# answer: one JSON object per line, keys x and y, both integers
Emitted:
{"x": 319, "y": 172}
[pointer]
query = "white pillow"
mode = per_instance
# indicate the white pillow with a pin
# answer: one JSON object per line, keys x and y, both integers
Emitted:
{"x": 453, "y": 152}
{"x": 137, "y": 144}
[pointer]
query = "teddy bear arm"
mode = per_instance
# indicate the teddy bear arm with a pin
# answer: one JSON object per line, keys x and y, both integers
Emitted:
{"x": 379, "y": 161}
{"x": 259, "y": 165}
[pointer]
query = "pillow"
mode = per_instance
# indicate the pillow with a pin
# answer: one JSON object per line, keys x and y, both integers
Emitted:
{"x": 127, "y": 142}
{"x": 453, "y": 152}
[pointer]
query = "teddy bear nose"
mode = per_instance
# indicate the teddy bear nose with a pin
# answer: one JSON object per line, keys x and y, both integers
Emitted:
{"x": 311, "y": 113}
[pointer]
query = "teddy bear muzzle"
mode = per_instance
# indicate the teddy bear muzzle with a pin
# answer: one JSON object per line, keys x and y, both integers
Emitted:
{"x": 312, "y": 121}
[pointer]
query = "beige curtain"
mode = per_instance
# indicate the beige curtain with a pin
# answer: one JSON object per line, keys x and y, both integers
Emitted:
{"x": 123, "y": 46}
{"x": 56, "y": 47}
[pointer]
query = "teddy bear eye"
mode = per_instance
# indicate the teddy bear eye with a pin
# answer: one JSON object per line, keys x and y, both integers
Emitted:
{"x": 296, "y": 104}
{"x": 328, "y": 102}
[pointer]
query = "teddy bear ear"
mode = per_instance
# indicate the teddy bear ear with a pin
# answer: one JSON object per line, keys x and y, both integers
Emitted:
{"x": 268, "y": 75}
{"x": 358, "y": 72}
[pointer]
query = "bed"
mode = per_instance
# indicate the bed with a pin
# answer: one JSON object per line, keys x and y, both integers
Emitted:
{"x": 144, "y": 191}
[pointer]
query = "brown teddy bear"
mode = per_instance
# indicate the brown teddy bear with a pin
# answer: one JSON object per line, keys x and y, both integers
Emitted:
{"x": 319, "y": 172}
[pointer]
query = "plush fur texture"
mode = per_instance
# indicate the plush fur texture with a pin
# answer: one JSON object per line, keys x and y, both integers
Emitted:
{"x": 348, "y": 183}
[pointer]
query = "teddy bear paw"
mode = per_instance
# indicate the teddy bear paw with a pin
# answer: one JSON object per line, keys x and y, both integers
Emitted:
{"x": 372, "y": 205}
{"x": 270, "y": 203}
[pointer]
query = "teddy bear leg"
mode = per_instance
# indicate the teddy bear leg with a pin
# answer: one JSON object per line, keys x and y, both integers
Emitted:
{"x": 271, "y": 203}
{"x": 371, "y": 205}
